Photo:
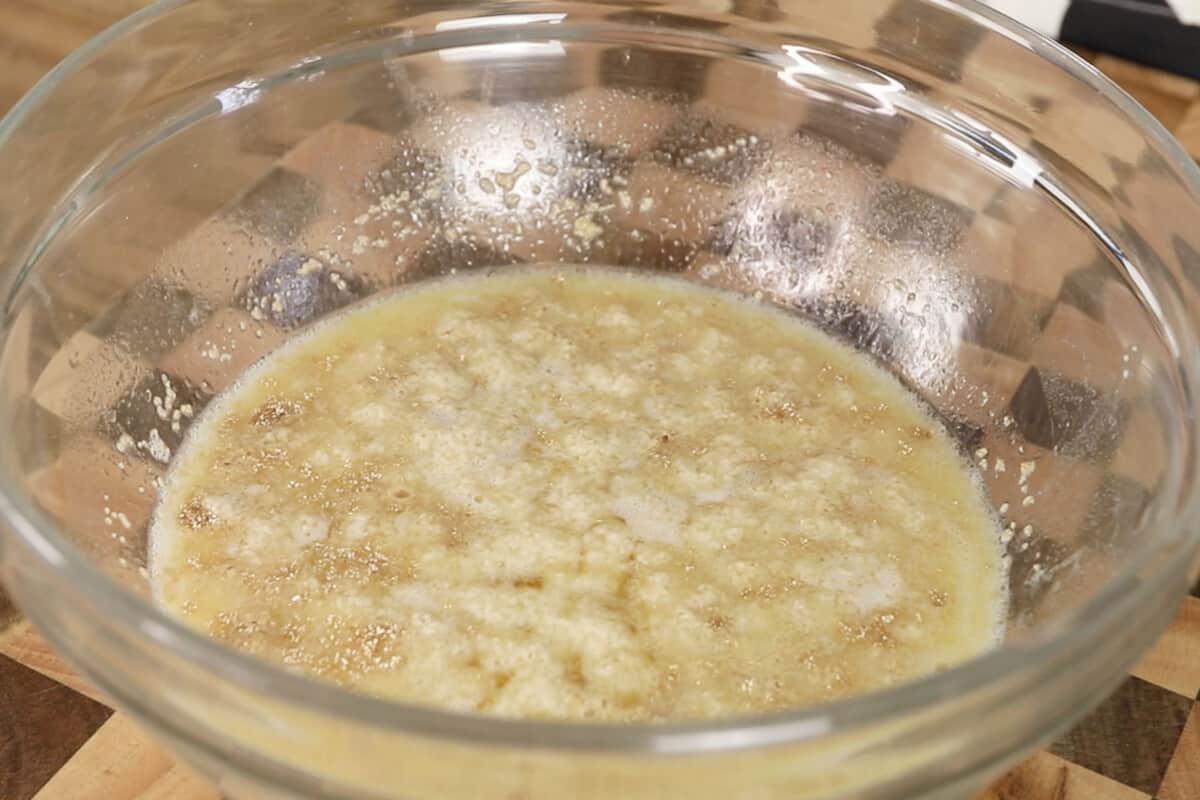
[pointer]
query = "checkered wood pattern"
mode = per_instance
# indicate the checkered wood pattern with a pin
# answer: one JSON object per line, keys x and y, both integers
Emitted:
{"x": 57, "y": 738}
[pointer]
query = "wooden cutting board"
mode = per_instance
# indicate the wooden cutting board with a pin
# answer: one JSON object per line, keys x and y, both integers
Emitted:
{"x": 60, "y": 741}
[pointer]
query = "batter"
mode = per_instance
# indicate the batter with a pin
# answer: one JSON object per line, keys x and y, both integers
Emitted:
{"x": 583, "y": 494}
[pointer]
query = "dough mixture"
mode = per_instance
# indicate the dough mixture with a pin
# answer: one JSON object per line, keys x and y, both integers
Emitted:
{"x": 579, "y": 493}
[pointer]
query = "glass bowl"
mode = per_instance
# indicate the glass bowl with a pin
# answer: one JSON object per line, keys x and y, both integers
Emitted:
{"x": 966, "y": 201}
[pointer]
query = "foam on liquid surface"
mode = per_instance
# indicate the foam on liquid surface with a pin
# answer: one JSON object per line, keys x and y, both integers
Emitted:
{"x": 579, "y": 494}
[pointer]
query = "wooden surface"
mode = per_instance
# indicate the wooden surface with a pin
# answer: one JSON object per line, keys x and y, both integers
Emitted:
{"x": 59, "y": 741}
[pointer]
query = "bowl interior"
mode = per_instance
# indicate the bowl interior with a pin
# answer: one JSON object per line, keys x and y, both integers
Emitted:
{"x": 895, "y": 194}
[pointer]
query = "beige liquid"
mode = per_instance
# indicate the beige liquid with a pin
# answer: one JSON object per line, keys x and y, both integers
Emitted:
{"x": 579, "y": 493}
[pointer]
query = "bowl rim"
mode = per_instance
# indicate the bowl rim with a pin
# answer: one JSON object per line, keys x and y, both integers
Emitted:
{"x": 38, "y": 533}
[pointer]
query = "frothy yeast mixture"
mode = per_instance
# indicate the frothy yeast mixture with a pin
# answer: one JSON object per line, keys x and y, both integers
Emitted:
{"x": 569, "y": 493}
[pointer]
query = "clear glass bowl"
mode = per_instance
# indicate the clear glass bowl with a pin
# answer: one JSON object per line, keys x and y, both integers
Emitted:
{"x": 961, "y": 198}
